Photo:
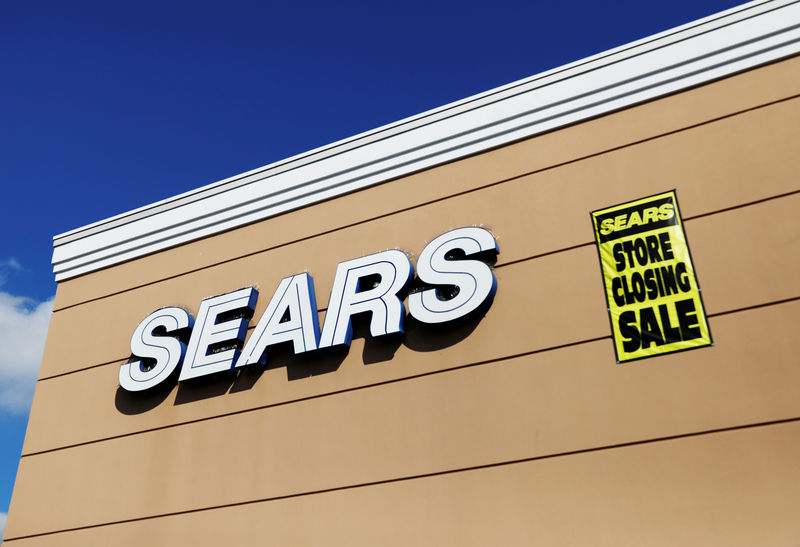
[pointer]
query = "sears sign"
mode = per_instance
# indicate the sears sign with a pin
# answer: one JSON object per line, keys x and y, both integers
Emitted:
{"x": 452, "y": 285}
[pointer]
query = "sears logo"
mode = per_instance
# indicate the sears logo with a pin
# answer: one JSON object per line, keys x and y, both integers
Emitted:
{"x": 452, "y": 286}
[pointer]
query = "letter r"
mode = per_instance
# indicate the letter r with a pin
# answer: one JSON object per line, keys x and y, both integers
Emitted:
{"x": 349, "y": 297}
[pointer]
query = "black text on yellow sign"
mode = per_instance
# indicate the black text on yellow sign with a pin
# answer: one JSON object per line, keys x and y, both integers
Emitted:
{"x": 653, "y": 297}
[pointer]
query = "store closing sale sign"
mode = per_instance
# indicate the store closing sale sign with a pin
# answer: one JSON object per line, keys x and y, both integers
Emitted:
{"x": 654, "y": 300}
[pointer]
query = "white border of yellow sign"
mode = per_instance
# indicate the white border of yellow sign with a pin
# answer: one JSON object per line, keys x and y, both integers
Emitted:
{"x": 654, "y": 300}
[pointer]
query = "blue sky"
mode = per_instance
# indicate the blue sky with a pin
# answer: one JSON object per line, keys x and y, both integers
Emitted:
{"x": 106, "y": 106}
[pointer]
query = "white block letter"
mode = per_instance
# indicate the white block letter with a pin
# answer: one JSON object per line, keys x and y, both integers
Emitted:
{"x": 474, "y": 280}
{"x": 349, "y": 296}
{"x": 295, "y": 297}
{"x": 210, "y": 331}
{"x": 166, "y": 350}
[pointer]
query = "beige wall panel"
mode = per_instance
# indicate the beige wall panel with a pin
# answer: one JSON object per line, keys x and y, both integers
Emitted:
{"x": 529, "y": 216}
{"x": 732, "y": 275}
{"x": 575, "y": 398}
{"x": 738, "y": 264}
{"x": 734, "y": 488}
{"x": 524, "y": 316}
{"x": 747, "y": 90}
{"x": 536, "y": 307}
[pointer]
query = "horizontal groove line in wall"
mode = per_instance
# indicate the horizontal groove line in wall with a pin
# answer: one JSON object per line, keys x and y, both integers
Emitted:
{"x": 430, "y": 202}
{"x": 326, "y": 394}
{"x": 252, "y": 325}
{"x": 447, "y": 370}
{"x": 121, "y": 359}
{"x": 721, "y": 430}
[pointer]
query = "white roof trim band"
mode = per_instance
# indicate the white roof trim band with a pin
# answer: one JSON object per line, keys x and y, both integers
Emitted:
{"x": 714, "y": 47}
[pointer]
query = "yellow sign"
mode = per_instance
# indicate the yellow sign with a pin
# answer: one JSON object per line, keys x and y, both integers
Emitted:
{"x": 651, "y": 288}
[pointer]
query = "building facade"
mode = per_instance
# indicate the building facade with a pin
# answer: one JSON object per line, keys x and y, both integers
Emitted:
{"x": 512, "y": 426}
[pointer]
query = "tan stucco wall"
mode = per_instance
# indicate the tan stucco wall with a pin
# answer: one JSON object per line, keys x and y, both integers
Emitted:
{"x": 520, "y": 427}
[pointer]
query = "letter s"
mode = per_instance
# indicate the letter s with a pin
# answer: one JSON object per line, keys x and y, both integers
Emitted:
{"x": 474, "y": 279}
{"x": 167, "y": 351}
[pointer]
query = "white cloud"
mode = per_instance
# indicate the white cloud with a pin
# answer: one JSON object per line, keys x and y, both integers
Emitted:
{"x": 2, "y": 525}
{"x": 23, "y": 328}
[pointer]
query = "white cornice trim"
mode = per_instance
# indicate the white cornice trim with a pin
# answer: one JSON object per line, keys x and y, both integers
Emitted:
{"x": 726, "y": 43}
